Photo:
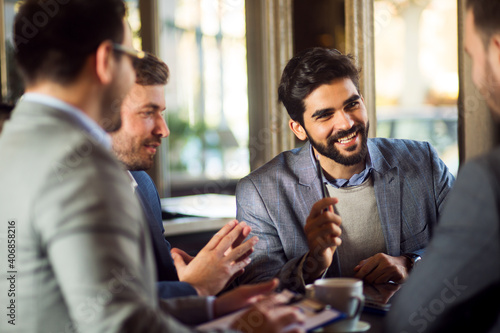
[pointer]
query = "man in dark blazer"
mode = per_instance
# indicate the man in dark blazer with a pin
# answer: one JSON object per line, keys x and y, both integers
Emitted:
{"x": 457, "y": 285}
{"x": 388, "y": 194}
{"x": 135, "y": 145}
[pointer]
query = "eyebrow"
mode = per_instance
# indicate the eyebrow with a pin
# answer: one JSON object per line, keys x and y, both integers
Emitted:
{"x": 153, "y": 106}
{"x": 351, "y": 99}
{"x": 321, "y": 112}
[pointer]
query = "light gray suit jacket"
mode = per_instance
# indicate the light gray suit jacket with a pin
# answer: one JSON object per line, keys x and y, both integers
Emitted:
{"x": 82, "y": 257}
{"x": 410, "y": 182}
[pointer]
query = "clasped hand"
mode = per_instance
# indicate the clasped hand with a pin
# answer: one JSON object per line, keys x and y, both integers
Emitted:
{"x": 382, "y": 268}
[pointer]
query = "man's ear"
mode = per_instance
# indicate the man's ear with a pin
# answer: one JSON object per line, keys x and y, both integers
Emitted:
{"x": 105, "y": 62}
{"x": 297, "y": 129}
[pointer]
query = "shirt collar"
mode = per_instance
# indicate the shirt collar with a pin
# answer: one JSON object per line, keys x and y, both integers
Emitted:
{"x": 355, "y": 180}
{"x": 84, "y": 121}
{"x": 133, "y": 183}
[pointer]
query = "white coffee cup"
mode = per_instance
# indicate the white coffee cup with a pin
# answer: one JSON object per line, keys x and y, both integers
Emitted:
{"x": 344, "y": 295}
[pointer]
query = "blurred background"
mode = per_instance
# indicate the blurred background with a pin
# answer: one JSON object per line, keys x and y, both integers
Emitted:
{"x": 217, "y": 52}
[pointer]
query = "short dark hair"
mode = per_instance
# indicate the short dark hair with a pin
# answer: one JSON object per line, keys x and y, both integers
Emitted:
{"x": 151, "y": 71}
{"x": 53, "y": 38}
{"x": 308, "y": 70}
{"x": 486, "y": 17}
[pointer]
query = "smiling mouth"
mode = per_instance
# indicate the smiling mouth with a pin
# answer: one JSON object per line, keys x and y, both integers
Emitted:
{"x": 347, "y": 138}
{"x": 152, "y": 148}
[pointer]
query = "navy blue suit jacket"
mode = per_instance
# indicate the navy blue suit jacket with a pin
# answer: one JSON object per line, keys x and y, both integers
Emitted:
{"x": 168, "y": 282}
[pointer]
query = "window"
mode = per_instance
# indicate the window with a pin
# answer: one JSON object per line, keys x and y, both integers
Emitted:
{"x": 12, "y": 87}
{"x": 416, "y": 64}
{"x": 11, "y": 82}
{"x": 203, "y": 43}
{"x": 134, "y": 19}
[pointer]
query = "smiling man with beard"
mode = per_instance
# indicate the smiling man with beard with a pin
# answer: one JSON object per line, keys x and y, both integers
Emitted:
{"x": 386, "y": 195}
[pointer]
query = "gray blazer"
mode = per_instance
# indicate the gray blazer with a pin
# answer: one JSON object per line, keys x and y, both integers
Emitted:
{"x": 83, "y": 257}
{"x": 456, "y": 287}
{"x": 410, "y": 182}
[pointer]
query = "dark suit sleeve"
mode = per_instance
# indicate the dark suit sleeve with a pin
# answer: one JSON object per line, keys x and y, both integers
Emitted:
{"x": 456, "y": 285}
{"x": 170, "y": 289}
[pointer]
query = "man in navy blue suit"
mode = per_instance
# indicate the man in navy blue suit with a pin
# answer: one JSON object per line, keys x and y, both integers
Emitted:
{"x": 135, "y": 144}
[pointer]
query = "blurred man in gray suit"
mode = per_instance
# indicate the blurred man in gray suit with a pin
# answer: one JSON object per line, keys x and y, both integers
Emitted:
{"x": 76, "y": 250}
{"x": 387, "y": 193}
{"x": 457, "y": 286}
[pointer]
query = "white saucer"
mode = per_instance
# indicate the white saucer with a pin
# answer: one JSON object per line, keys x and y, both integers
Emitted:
{"x": 361, "y": 326}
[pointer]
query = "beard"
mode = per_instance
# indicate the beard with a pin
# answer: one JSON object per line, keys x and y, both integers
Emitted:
{"x": 111, "y": 120}
{"x": 111, "y": 105}
{"x": 332, "y": 152}
{"x": 135, "y": 163}
{"x": 128, "y": 151}
{"x": 112, "y": 123}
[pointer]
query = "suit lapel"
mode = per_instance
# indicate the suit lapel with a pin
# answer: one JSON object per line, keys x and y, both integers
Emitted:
{"x": 155, "y": 227}
{"x": 387, "y": 188}
{"x": 308, "y": 186}
{"x": 165, "y": 266}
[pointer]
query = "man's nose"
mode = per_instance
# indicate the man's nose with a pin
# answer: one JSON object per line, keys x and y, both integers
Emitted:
{"x": 161, "y": 127}
{"x": 343, "y": 120}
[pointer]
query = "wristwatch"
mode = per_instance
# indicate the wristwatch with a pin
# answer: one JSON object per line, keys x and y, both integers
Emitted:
{"x": 413, "y": 258}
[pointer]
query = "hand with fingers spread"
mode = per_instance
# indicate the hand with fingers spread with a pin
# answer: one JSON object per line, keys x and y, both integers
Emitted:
{"x": 322, "y": 230}
{"x": 267, "y": 315}
{"x": 382, "y": 268}
{"x": 224, "y": 256}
